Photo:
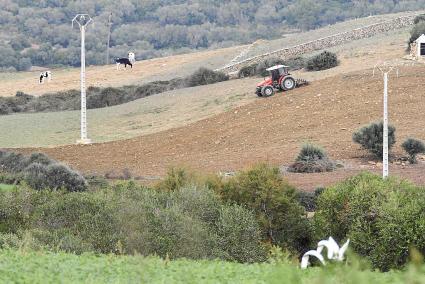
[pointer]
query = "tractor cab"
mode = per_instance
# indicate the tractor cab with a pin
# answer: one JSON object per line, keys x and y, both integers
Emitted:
{"x": 279, "y": 79}
{"x": 277, "y": 71}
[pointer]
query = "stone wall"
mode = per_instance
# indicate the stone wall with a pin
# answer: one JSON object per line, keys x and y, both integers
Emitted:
{"x": 326, "y": 42}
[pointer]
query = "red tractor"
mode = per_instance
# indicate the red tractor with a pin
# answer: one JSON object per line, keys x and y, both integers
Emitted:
{"x": 280, "y": 79}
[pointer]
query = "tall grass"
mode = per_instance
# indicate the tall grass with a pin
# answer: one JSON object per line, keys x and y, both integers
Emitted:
{"x": 43, "y": 267}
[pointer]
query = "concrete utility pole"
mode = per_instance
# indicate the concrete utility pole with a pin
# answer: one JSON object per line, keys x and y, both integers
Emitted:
{"x": 385, "y": 69}
{"x": 109, "y": 38}
{"x": 83, "y": 20}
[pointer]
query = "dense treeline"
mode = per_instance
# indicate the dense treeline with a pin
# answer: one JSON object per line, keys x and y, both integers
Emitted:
{"x": 39, "y": 32}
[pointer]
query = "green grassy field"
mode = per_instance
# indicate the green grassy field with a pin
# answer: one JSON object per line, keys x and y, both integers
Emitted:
{"x": 6, "y": 186}
{"x": 144, "y": 116}
{"x": 43, "y": 267}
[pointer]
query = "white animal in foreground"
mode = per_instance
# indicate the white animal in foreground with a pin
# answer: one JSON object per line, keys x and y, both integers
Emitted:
{"x": 45, "y": 76}
{"x": 334, "y": 252}
{"x": 305, "y": 261}
{"x": 333, "y": 249}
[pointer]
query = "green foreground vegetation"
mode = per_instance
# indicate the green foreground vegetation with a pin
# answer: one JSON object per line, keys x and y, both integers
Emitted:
{"x": 6, "y": 186}
{"x": 19, "y": 266}
{"x": 192, "y": 227}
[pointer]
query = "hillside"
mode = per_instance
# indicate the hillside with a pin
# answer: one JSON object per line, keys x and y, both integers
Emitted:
{"x": 177, "y": 108}
{"x": 269, "y": 130}
{"x": 182, "y": 65}
{"x": 39, "y": 33}
{"x": 105, "y": 76}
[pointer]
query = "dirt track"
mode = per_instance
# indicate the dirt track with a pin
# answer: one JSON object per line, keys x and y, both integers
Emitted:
{"x": 272, "y": 130}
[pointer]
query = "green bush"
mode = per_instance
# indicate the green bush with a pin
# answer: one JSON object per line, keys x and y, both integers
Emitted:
{"x": 274, "y": 202}
{"x": 77, "y": 220}
{"x": 204, "y": 76}
{"x": 175, "y": 179}
{"x": 322, "y": 61}
{"x": 54, "y": 176}
{"x": 312, "y": 159}
{"x": 17, "y": 208}
{"x": 384, "y": 219}
{"x": 60, "y": 176}
{"x": 41, "y": 172}
{"x": 185, "y": 222}
{"x": 239, "y": 234}
{"x": 370, "y": 137}
{"x": 413, "y": 147}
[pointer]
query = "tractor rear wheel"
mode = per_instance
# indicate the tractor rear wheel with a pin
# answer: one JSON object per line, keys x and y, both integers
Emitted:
{"x": 288, "y": 83}
{"x": 267, "y": 91}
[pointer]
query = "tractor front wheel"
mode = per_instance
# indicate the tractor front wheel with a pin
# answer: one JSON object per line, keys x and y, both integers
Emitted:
{"x": 267, "y": 91}
{"x": 288, "y": 83}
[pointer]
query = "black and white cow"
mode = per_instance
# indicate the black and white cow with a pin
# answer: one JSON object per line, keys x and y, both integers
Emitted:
{"x": 45, "y": 76}
{"x": 124, "y": 61}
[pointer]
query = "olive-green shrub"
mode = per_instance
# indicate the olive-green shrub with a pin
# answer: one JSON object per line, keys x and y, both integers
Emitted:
{"x": 383, "y": 218}
{"x": 274, "y": 202}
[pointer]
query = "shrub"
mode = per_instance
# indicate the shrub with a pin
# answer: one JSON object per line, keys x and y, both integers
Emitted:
{"x": 322, "y": 61}
{"x": 259, "y": 69}
{"x": 239, "y": 235}
{"x": 248, "y": 71}
{"x": 13, "y": 162}
{"x": 413, "y": 147}
{"x": 96, "y": 182}
{"x": 40, "y": 158}
{"x": 17, "y": 208}
{"x": 186, "y": 222}
{"x": 295, "y": 63}
{"x": 8, "y": 178}
{"x": 274, "y": 203}
{"x": 370, "y": 137}
{"x": 61, "y": 176}
{"x": 382, "y": 218}
{"x": 77, "y": 220}
{"x": 175, "y": 179}
{"x": 204, "y": 76}
{"x": 41, "y": 172}
{"x": 312, "y": 159}
{"x": 36, "y": 176}
{"x": 269, "y": 62}
{"x": 54, "y": 176}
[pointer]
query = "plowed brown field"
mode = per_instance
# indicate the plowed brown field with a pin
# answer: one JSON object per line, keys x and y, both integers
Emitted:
{"x": 272, "y": 130}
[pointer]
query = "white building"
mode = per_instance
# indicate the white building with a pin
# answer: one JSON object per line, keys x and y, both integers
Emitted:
{"x": 420, "y": 46}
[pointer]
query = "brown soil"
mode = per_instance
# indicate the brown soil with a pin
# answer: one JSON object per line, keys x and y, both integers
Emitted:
{"x": 271, "y": 130}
